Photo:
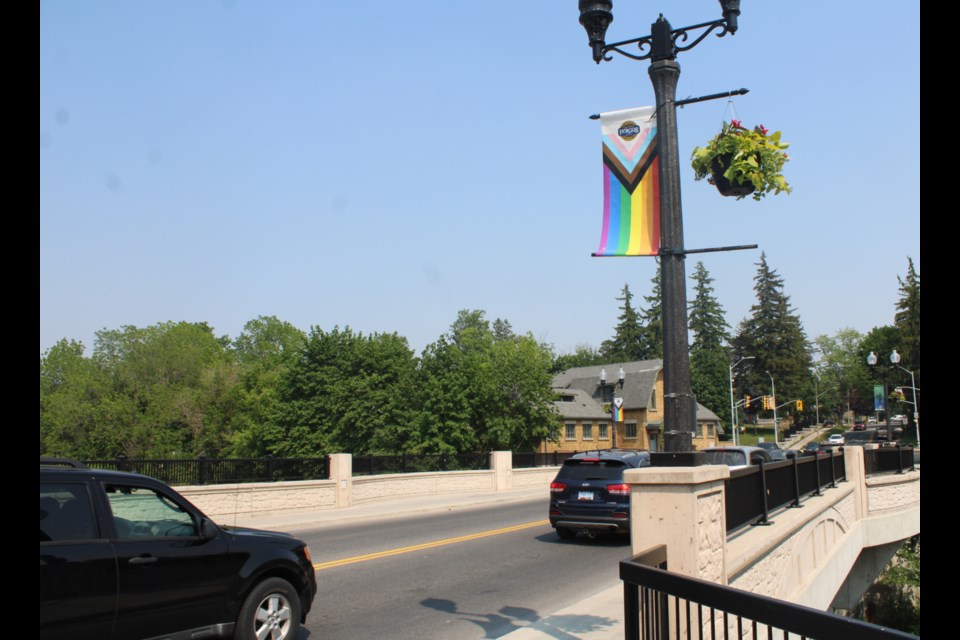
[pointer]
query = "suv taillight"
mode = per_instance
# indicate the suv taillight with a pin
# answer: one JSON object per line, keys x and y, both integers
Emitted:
{"x": 618, "y": 489}
{"x": 557, "y": 487}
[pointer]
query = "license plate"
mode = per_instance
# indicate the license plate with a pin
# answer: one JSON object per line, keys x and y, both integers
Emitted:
{"x": 585, "y": 495}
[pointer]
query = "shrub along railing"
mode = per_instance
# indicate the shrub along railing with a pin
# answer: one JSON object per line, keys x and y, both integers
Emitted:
{"x": 410, "y": 463}
{"x": 660, "y": 605}
{"x": 753, "y": 492}
{"x": 203, "y": 471}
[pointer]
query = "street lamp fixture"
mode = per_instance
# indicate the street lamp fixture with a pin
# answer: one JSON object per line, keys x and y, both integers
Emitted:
{"x": 895, "y": 362}
{"x": 773, "y": 394}
{"x": 661, "y": 48}
{"x": 733, "y": 407}
{"x": 621, "y": 376}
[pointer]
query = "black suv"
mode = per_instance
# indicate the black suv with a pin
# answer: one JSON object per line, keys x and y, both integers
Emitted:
{"x": 124, "y": 556}
{"x": 589, "y": 494}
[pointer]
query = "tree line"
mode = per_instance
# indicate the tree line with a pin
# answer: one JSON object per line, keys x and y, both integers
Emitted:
{"x": 175, "y": 389}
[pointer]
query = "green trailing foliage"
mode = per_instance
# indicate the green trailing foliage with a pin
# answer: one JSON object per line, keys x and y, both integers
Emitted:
{"x": 742, "y": 156}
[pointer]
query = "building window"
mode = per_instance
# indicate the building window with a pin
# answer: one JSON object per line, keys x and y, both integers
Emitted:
{"x": 653, "y": 399}
{"x": 604, "y": 434}
{"x": 587, "y": 431}
{"x": 711, "y": 430}
{"x": 571, "y": 431}
{"x": 632, "y": 430}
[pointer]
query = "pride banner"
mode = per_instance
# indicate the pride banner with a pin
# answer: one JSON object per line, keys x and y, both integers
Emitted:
{"x": 631, "y": 184}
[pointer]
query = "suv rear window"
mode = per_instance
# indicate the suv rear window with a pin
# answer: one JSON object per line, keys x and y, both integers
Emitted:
{"x": 591, "y": 470}
{"x": 729, "y": 458}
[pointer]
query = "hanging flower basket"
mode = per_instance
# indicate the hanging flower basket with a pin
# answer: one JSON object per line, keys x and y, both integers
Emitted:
{"x": 741, "y": 162}
{"x": 718, "y": 168}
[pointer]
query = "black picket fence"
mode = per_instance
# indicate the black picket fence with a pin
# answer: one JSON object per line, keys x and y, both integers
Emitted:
{"x": 530, "y": 460}
{"x": 201, "y": 471}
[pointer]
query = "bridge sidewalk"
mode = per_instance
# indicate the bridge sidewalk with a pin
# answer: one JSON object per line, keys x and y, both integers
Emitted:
{"x": 598, "y": 617}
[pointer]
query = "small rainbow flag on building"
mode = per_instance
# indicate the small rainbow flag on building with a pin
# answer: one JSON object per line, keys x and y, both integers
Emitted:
{"x": 631, "y": 183}
{"x": 618, "y": 409}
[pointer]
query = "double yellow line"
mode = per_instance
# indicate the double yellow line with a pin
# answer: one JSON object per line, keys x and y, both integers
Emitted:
{"x": 426, "y": 545}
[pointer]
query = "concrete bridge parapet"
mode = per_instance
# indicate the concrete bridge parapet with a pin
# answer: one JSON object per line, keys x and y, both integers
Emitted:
{"x": 826, "y": 552}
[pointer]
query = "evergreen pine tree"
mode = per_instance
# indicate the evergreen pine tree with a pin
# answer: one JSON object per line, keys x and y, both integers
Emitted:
{"x": 907, "y": 318}
{"x": 708, "y": 356}
{"x": 773, "y": 335}
{"x": 627, "y": 342}
{"x": 652, "y": 320}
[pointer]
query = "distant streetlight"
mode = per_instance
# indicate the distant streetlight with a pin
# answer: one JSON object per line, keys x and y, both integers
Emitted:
{"x": 895, "y": 361}
{"x": 872, "y": 360}
{"x": 603, "y": 394}
{"x": 733, "y": 407}
{"x": 773, "y": 397}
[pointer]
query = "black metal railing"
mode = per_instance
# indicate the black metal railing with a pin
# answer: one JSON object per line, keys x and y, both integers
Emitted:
{"x": 887, "y": 459}
{"x": 221, "y": 470}
{"x": 660, "y": 605}
{"x": 410, "y": 463}
{"x": 529, "y": 460}
{"x": 753, "y": 493}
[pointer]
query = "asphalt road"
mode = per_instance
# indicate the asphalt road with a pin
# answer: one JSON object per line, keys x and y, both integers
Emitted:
{"x": 461, "y": 574}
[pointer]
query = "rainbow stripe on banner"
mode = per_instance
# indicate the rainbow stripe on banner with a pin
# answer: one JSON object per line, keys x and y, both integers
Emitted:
{"x": 618, "y": 411}
{"x": 631, "y": 184}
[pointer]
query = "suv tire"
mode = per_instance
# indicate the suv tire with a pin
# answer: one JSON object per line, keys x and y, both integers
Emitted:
{"x": 271, "y": 610}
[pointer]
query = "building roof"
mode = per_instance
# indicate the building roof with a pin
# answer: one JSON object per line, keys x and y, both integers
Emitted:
{"x": 640, "y": 376}
{"x": 579, "y": 406}
{"x": 705, "y": 414}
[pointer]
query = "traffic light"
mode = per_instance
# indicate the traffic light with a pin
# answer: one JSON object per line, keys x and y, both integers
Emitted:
{"x": 746, "y": 402}
{"x": 767, "y": 404}
{"x": 799, "y": 405}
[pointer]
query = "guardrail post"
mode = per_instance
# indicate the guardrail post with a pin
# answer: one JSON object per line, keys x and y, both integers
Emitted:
{"x": 796, "y": 482}
{"x": 668, "y": 504}
{"x": 631, "y": 611}
{"x": 201, "y": 470}
{"x": 340, "y": 470}
{"x": 899, "y": 459}
{"x": 765, "y": 520}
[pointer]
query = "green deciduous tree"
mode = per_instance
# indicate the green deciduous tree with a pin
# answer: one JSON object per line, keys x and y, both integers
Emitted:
{"x": 266, "y": 349}
{"x": 346, "y": 393}
{"x": 479, "y": 392}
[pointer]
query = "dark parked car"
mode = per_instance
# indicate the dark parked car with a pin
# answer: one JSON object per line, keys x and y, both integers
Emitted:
{"x": 589, "y": 494}
{"x": 773, "y": 449}
{"x": 123, "y": 556}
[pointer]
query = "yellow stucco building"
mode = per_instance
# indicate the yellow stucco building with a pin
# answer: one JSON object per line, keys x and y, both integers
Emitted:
{"x": 585, "y": 404}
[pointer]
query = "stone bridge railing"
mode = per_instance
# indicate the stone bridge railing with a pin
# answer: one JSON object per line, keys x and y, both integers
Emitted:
{"x": 826, "y": 552}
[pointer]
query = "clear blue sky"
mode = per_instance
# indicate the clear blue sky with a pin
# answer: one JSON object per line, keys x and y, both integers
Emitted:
{"x": 382, "y": 164}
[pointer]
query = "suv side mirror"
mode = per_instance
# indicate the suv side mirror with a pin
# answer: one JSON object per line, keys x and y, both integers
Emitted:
{"x": 208, "y": 530}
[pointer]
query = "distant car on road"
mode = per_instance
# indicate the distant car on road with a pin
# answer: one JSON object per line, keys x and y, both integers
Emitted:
{"x": 589, "y": 494}
{"x": 814, "y": 448}
{"x": 836, "y": 439}
{"x": 773, "y": 449}
{"x": 737, "y": 457}
{"x": 859, "y": 425}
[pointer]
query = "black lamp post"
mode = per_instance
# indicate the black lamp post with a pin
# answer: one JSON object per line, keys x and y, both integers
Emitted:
{"x": 603, "y": 397}
{"x": 661, "y": 48}
{"x": 873, "y": 361}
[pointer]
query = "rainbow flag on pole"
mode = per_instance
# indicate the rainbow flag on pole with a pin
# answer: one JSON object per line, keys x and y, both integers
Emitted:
{"x": 631, "y": 184}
